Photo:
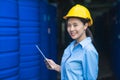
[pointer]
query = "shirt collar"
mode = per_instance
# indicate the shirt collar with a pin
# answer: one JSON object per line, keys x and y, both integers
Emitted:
{"x": 85, "y": 42}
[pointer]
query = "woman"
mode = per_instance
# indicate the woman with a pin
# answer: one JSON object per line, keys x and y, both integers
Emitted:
{"x": 80, "y": 58}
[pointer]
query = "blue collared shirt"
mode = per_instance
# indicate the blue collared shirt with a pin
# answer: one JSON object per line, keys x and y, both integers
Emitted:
{"x": 80, "y": 62}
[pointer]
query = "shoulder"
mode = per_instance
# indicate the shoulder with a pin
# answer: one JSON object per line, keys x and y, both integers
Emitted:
{"x": 90, "y": 50}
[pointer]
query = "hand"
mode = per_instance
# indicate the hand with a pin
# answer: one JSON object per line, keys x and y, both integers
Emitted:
{"x": 50, "y": 64}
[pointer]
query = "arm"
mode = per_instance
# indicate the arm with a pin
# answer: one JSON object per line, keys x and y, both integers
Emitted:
{"x": 52, "y": 65}
{"x": 90, "y": 66}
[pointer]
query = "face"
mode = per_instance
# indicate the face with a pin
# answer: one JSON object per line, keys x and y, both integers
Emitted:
{"x": 76, "y": 29}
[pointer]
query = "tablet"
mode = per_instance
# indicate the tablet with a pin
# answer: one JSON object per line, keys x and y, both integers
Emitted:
{"x": 41, "y": 52}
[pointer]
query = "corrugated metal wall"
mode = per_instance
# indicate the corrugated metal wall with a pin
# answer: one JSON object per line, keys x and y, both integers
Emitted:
{"x": 23, "y": 24}
{"x": 52, "y": 25}
{"x": 29, "y": 36}
{"x": 9, "y": 40}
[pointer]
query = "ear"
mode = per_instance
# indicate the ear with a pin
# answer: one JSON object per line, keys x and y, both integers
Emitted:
{"x": 85, "y": 26}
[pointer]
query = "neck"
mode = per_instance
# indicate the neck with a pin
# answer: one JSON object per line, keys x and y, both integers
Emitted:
{"x": 83, "y": 36}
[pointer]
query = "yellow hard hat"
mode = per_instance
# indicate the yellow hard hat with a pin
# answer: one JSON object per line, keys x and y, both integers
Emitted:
{"x": 79, "y": 11}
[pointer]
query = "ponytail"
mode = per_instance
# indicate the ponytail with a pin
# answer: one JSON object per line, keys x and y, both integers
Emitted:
{"x": 89, "y": 33}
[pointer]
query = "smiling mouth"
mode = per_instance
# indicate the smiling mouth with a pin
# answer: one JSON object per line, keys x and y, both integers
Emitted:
{"x": 72, "y": 34}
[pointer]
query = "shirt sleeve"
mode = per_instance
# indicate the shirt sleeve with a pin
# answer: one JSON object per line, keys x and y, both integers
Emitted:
{"x": 90, "y": 65}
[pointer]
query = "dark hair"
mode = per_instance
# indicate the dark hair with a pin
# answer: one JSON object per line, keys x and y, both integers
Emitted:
{"x": 89, "y": 33}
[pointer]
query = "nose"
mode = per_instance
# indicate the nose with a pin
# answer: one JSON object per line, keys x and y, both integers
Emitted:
{"x": 71, "y": 28}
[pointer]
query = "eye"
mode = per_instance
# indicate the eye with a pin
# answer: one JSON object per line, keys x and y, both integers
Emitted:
{"x": 68, "y": 25}
{"x": 75, "y": 25}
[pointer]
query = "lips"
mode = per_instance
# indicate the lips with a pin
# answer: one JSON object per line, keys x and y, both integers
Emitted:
{"x": 72, "y": 34}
